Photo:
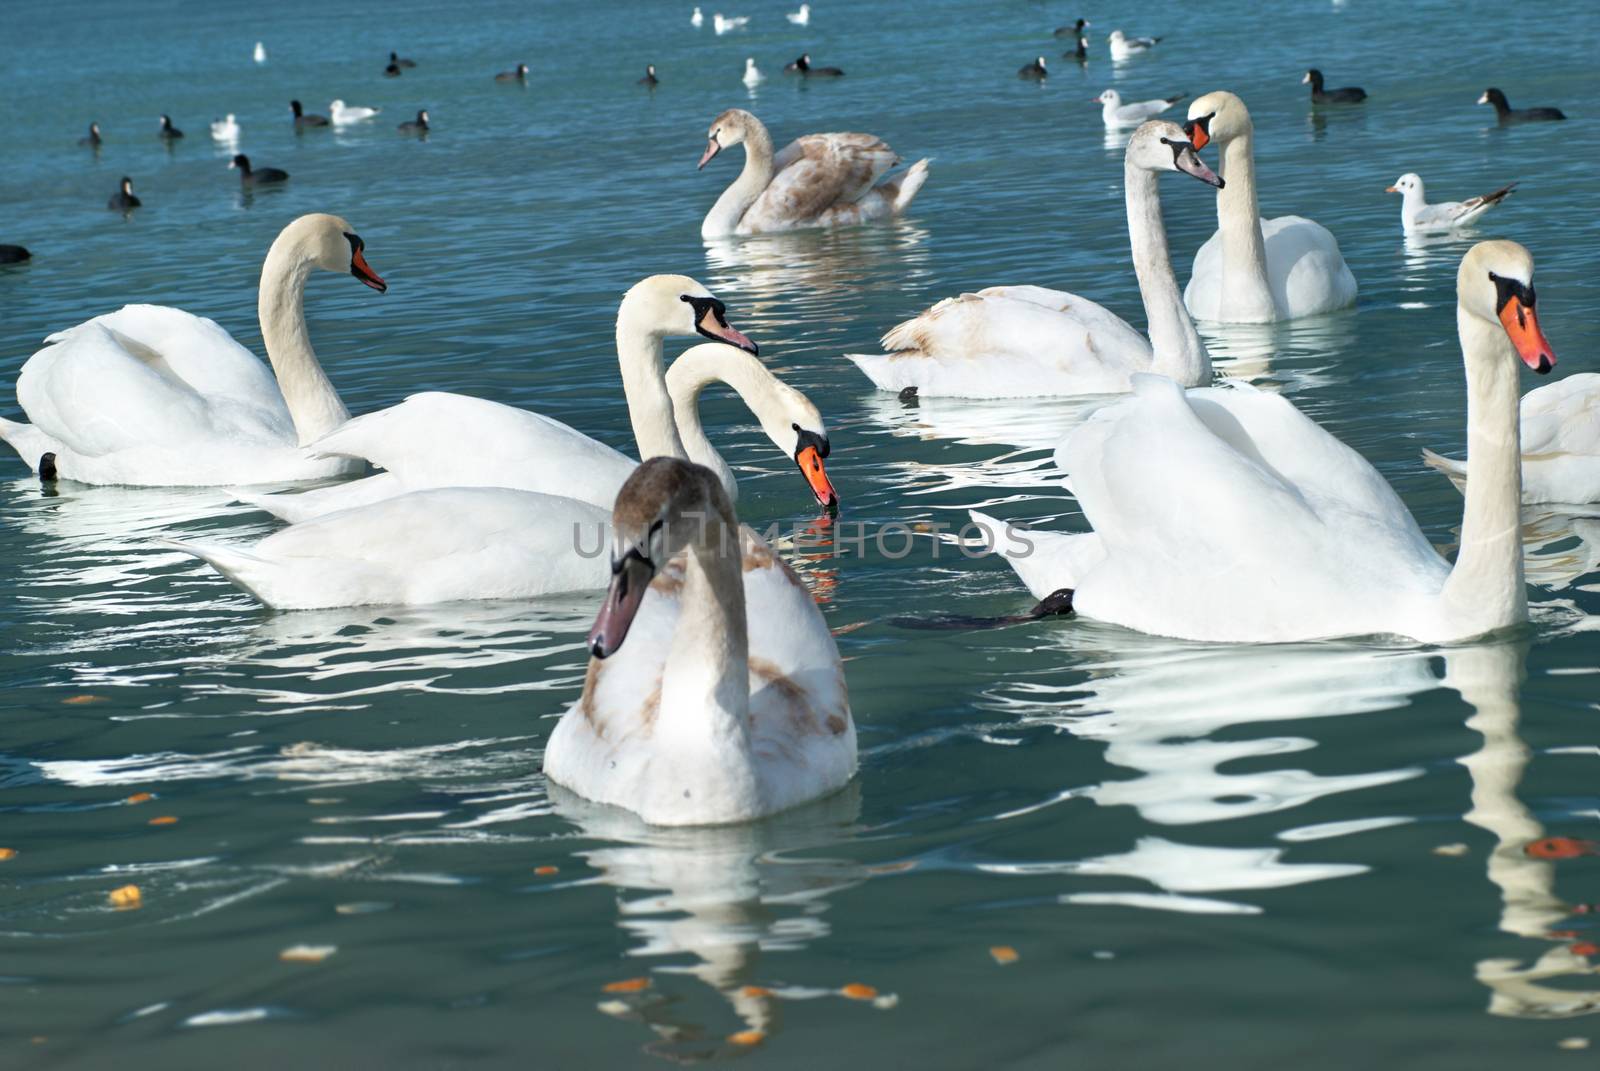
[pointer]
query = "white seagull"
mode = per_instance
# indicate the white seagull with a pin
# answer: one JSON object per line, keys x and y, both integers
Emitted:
{"x": 801, "y": 17}
{"x": 1123, "y": 46}
{"x": 724, "y": 25}
{"x": 1417, "y": 216}
{"x": 752, "y": 74}
{"x": 225, "y": 130}
{"x": 696, "y": 19}
{"x": 1116, "y": 113}
{"x": 344, "y": 114}
{"x": 261, "y": 52}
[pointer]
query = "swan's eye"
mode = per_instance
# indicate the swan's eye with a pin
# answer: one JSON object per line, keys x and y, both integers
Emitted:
{"x": 1506, "y": 289}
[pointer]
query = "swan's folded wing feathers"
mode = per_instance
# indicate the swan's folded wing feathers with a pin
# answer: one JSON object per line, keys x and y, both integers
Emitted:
{"x": 818, "y": 171}
{"x": 1562, "y": 418}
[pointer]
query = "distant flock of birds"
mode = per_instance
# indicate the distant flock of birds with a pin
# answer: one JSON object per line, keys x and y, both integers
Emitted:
{"x": 715, "y": 692}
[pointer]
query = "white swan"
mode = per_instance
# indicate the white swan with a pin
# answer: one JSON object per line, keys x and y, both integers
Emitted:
{"x": 1117, "y": 114}
{"x": 752, "y": 73}
{"x": 155, "y": 397}
{"x": 819, "y": 180}
{"x": 1255, "y": 270}
{"x": 1560, "y": 429}
{"x": 1417, "y": 216}
{"x": 344, "y": 114}
{"x": 1229, "y": 515}
{"x": 716, "y": 693}
{"x": 453, "y": 440}
{"x": 1027, "y": 341}
{"x": 225, "y": 130}
{"x": 454, "y": 543}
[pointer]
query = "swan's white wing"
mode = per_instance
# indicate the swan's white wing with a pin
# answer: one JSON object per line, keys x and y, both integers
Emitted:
{"x": 1237, "y": 518}
{"x": 439, "y": 545}
{"x": 802, "y": 736}
{"x": 1009, "y": 341}
{"x": 90, "y": 391}
{"x": 437, "y": 439}
{"x": 1561, "y": 441}
{"x": 1305, "y": 271}
{"x": 1045, "y": 561}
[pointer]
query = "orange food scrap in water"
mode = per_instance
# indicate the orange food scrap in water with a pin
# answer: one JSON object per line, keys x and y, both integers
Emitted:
{"x": 1003, "y": 954}
{"x": 748, "y": 1037}
{"x": 857, "y": 991}
{"x": 546, "y": 871}
{"x": 140, "y": 797}
{"x": 79, "y": 700}
{"x": 1585, "y": 948}
{"x": 1561, "y": 848}
{"x": 627, "y": 985}
{"x": 755, "y": 991}
{"x": 126, "y": 898}
{"x": 164, "y": 820}
{"x": 307, "y": 953}
{"x": 7, "y": 853}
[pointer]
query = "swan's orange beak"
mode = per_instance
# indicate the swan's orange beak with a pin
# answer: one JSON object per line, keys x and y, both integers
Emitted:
{"x": 1199, "y": 131}
{"x": 712, "y": 148}
{"x": 809, "y": 459}
{"x": 363, "y": 271}
{"x": 1522, "y": 326}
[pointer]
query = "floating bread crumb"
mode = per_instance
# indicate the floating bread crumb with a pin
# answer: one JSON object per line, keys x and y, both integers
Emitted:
{"x": 1004, "y": 954}
{"x": 857, "y": 991}
{"x": 748, "y": 1037}
{"x": 546, "y": 871}
{"x": 755, "y": 991}
{"x": 164, "y": 820}
{"x": 7, "y": 853}
{"x": 140, "y": 797}
{"x": 126, "y": 898}
{"x": 627, "y": 985}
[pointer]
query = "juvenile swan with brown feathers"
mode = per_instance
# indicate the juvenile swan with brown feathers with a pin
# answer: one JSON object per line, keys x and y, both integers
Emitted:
{"x": 715, "y": 693}
{"x": 819, "y": 180}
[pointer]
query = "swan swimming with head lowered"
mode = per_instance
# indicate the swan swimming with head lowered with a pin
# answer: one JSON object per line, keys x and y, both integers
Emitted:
{"x": 818, "y": 180}
{"x": 157, "y": 397}
{"x": 716, "y": 693}
{"x": 1255, "y": 270}
{"x": 447, "y": 543}
{"x": 1228, "y": 515}
{"x": 1028, "y": 341}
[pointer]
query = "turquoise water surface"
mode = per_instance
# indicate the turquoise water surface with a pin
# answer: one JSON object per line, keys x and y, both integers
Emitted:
{"x": 1202, "y": 855}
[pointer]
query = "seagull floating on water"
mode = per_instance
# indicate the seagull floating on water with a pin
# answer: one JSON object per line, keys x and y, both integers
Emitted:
{"x": 225, "y": 129}
{"x": 724, "y": 25}
{"x": 261, "y": 52}
{"x": 1417, "y": 216}
{"x": 752, "y": 74}
{"x": 1123, "y": 46}
{"x": 1115, "y": 113}
{"x": 801, "y": 17}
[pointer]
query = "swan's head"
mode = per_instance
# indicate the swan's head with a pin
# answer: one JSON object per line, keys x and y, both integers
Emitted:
{"x": 1160, "y": 145}
{"x": 329, "y": 243}
{"x": 1495, "y": 283}
{"x": 1218, "y": 116}
{"x": 1406, "y": 184}
{"x": 727, "y": 130}
{"x": 1108, "y": 96}
{"x": 666, "y": 505}
{"x": 795, "y": 426}
{"x": 676, "y": 306}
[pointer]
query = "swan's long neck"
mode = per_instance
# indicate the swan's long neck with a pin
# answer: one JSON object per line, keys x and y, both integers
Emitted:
{"x": 1244, "y": 250}
{"x": 1486, "y": 586}
{"x": 697, "y": 369}
{"x": 313, "y": 403}
{"x": 645, "y": 387}
{"x": 705, "y": 687}
{"x": 1177, "y": 350}
{"x": 724, "y": 217}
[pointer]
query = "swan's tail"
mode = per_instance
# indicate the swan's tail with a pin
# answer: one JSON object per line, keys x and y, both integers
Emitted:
{"x": 1045, "y": 561}
{"x": 910, "y": 183}
{"x": 885, "y": 372}
{"x": 252, "y": 573}
{"x": 283, "y": 507}
{"x": 28, "y": 441}
{"x": 1456, "y": 470}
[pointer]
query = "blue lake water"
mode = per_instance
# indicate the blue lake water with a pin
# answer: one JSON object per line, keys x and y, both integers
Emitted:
{"x": 1201, "y": 855}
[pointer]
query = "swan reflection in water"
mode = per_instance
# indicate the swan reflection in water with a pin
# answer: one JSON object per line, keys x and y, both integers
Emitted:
{"x": 818, "y": 267}
{"x": 710, "y": 903}
{"x": 1171, "y": 711}
{"x": 1489, "y": 679}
